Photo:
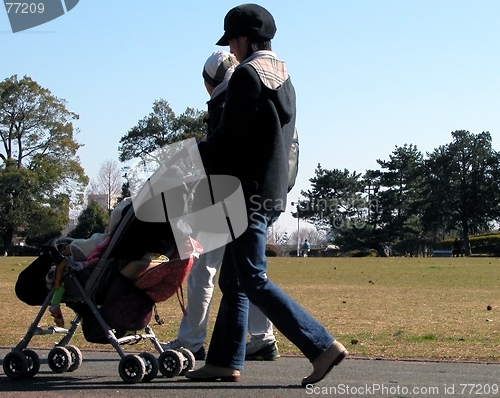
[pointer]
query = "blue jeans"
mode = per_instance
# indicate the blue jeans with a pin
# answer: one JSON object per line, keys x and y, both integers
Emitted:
{"x": 242, "y": 278}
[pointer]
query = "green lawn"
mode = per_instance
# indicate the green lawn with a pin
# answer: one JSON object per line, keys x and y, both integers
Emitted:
{"x": 377, "y": 307}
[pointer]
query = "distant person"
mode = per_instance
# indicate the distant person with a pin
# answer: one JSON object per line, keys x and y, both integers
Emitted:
{"x": 306, "y": 247}
{"x": 458, "y": 248}
{"x": 192, "y": 331}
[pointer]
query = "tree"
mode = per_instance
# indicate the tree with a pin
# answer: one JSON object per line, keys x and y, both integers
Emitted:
{"x": 40, "y": 173}
{"x": 277, "y": 235}
{"x": 93, "y": 219}
{"x": 463, "y": 185}
{"x": 46, "y": 222}
{"x": 399, "y": 203}
{"x": 278, "y": 238}
{"x": 410, "y": 201}
{"x": 190, "y": 124}
{"x": 107, "y": 183}
{"x": 161, "y": 127}
{"x": 316, "y": 238}
{"x": 335, "y": 201}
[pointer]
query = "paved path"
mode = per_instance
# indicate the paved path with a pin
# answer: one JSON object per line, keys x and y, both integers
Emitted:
{"x": 98, "y": 377}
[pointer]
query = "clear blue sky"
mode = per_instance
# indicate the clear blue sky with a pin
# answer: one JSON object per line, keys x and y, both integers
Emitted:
{"x": 369, "y": 74}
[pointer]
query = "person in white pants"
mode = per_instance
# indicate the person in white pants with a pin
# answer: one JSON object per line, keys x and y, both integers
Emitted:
{"x": 192, "y": 331}
{"x": 200, "y": 283}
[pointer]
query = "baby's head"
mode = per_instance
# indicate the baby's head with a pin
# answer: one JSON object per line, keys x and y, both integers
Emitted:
{"x": 218, "y": 67}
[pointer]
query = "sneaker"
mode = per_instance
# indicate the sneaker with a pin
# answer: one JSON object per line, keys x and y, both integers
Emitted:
{"x": 268, "y": 352}
{"x": 200, "y": 355}
{"x": 175, "y": 344}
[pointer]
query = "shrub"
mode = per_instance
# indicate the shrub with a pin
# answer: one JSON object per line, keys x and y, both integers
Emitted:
{"x": 272, "y": 251}
{"x": 364, "y": 253}
{"x": 487, "y": 243}
{"x": 413, "y": 247}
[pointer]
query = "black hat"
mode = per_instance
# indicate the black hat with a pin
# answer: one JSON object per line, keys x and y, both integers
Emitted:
{"x": 250, "y": 20}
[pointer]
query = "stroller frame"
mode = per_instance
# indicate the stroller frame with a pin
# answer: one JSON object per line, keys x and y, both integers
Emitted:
{"x": 22, "y": 362}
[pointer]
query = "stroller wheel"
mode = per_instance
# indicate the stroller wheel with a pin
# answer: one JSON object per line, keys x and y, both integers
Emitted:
{"x": 15, "y": 364}
{"x": 59, "y": 359}
{"x": 76, "y": 357}
{"x": 152, "y": 366}
{"x": 132, "y": 368}
{"x": 33, "y": 363}
{"x": 189, "y": 361}
{"x": 171, "y": 363}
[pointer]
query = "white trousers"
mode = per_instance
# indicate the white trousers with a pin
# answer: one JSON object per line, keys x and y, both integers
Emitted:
{"x": 200, "y": 287}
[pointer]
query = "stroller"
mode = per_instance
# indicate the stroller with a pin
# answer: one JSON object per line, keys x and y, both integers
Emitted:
{"x": 110, "y": 306}
{"x": 113, "y": 299}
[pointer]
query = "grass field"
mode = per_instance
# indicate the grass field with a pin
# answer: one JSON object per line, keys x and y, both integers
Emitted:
{"x": 377, "y": 307}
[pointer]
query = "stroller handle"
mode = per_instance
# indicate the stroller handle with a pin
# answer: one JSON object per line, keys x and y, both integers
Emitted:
{"x": 53, "y": 247}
